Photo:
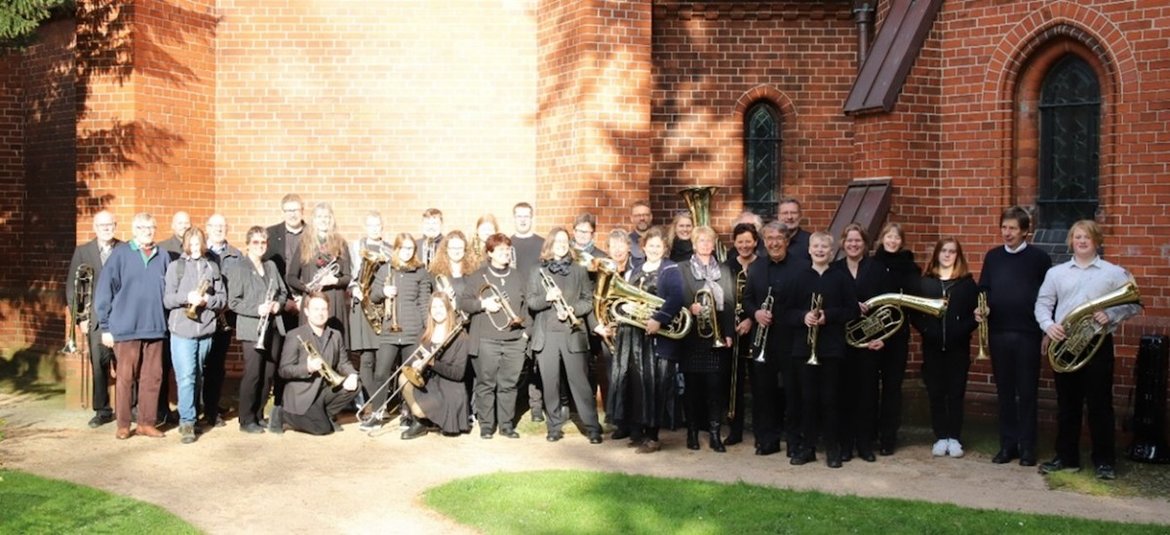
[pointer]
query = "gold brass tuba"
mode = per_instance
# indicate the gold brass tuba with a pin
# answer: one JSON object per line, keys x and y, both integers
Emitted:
{"x": 708, "y": 322}
{"x": 327, "y": 373}
{"x": 628, "y": 304}
{"x": 371, "y": 261}
{"x": 698, "y": 200}
{"x": 885, "y": 316}
{"x": 1080, "y": 330}
{"x": 82, "y": 304}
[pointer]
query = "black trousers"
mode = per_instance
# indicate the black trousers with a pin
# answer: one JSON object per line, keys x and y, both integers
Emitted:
{"x": 497, "y": 372}
{"x": 552, "y": 358}
{"x": 859, "y": 409}
{"x": 945, "y": 375}
{"x": 891, "y": 367}
{"x": 258, "y": 366}
{"x": 1015, "y": 361}
{"x": 386, "y": 360}
{"x": 793, "y": 397}
{"x": 318, "y": 420}
{"x": 704, "y": 395}
{"x": 820, "y": 411}
{"x": 1090, "y": 386}
{"x": 533, "y": 379}
{"x": 272, "y": 379}
{"x": 768, "y": 401}
{"x": 214, "y": 373}
{"x": 100, "y": 360}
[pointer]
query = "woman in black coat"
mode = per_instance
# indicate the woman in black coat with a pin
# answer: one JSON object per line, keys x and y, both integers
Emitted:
{"x": 321, "y": 246}
{"x": 256, "y": 290}
{"x": 898, "y": 274}
{"x": 442, "y": 400}
{"x": 946, "y": 343}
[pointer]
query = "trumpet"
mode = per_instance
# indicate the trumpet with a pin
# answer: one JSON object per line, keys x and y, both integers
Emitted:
{"x": 443, "y": 284}
{"x": 1082, "y": 333}
{"x": 760, "y": 340}
{"x": 327, "y": 372}
{"x": 512, "y": 320}
{"x": 982, "y": 308}
{"x": 708, "y": 322}
{"x": 560, "y": 304}
{"x": 82, "y": 304}
{"x": 318, "y": 281}
{"x": 193, "y": 308}
{"x": 815, "y": 307}
{"x": 266, "y": 318}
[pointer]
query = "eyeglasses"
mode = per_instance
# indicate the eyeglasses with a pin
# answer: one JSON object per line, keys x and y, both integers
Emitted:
{"x": 292, "y": 210}
{"x": 583, "y": 231}
{"x": 144, "y": 227}
{"x": 259, "y": 242}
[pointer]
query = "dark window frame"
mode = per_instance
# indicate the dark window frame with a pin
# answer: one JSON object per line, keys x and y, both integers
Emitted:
{"x": 1069, "y": 109}
{"x": 761, "y": 179}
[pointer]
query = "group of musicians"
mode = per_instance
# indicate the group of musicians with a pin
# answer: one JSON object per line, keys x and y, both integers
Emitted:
{"x": 447, "y": 330}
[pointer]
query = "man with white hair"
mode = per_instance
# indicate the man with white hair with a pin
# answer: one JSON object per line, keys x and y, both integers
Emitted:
{"x": 225, "y": 255}
{"x": 94, "y": 253}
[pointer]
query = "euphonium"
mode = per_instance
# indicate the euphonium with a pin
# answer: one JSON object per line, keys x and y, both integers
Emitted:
{"x": 1080, "y": 330}
{"x": 82, "y": 304}
{"x": 885, "y": 317}
{"x": 371, "y": 261}
{"x": 708, "y": 322}
{"x": 815, "y": 307}
{"x": 698, "y": 200}
{"x": 193, "y": 308}
{"x": 760, "y": 340}
{"x": 981, "y": 306}
{"x": 560, "y": 304}
{"x": 634, "y": 306}
{"x": 327, "y": 373}
{"x": 512, "y": 320}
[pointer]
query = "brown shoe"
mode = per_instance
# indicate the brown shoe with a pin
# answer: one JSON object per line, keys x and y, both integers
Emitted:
{"x": 150, "y": 431}
{"x": 650, "y": 446}
{"x": 123, "y": 433}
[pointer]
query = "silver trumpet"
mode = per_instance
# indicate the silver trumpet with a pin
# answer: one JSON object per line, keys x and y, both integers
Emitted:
{"x": 815, "y": 307}
{"x": 760, "y": 340}
{"x": 318, "y": 281}
{"x": 266, "y": 318}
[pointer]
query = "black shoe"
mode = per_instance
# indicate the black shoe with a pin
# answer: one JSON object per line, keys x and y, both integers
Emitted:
{"x": 620, "y": 433}
{"x": 509, "y": 433}
{"x": 733, "y": 438}
{"x": 716, "y": 442}
{"x": 792, "y": 448}
{"x": 99, "y": 419}
{"x": 1005, "y": 456}
{"x": 1027, "y": 457}
{"x": 417, "y": 429}
{"x": 866, "y": 455}
{"x": 1058, "y": 465}
{"x": 537, "y": 415}
{"x": 276, "y": 421}
{"x": 833, "y": 461}
{"x": 692, "y": 439}
{"x": 595, "y": 438}
{"x": 486, "y": 433}
{"x": 886, "y": 451}
{"x": 554, "y": 436}
{"x": 1106, "y": 472}
{"x": 253, "y": 428}
{"x": 768, "y": 449}
{"x": 846, "y": 455}
{"x": 803, "y": 457}
{"x": 215, "y": 421}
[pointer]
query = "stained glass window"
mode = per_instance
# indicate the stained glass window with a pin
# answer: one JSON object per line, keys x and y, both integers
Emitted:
{"x": 762, "y": 160}
{"x": 1070, "y": 117}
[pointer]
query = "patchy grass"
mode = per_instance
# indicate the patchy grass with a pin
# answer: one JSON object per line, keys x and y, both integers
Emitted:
{"x": 592, "y": 502}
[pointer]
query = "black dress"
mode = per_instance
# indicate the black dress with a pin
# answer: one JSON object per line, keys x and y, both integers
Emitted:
{"x": 444, "y": 399}
{"x": 646, "y": 395}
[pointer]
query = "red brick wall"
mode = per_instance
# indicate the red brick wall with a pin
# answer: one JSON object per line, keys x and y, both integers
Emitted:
{"x": 712, "y": 60}
{"x": 12, "y": 186}
{"x": 394, "y": 106}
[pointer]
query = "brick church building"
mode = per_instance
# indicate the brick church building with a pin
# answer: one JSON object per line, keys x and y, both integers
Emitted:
{"x": 954, "y": 109}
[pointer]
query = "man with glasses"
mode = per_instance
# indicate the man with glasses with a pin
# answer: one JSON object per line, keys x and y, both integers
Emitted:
{"x": 790, "y": 216}
{"x": 283, "y": 238}
{"x": 642, "y": 218}
{"x": 432, "y": 236}
{"x": 225, "y": 255}
{"x": 129, "y": 305}
{"x": 95, "y": 253}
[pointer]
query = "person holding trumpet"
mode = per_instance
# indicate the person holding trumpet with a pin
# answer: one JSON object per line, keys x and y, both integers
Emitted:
{"x": 560, "y": 297}
{"x": 821, "y": 301}
{"x": 314, "y": 350}
{"x": 256, "y": 293}
{"x": 441, "y": 400}
{"x": 320, "y": 262}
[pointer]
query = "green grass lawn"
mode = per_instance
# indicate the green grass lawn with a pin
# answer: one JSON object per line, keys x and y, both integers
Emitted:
{"x": 31, "y": 504}
{"x": 594, "y": 502}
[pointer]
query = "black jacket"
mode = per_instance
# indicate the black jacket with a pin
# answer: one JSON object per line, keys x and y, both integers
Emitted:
{"x": 412, "y": 306}
{"x": 954, "y": 329}
{"x": 839, "y": 302}
{"x": 578, "y": 293}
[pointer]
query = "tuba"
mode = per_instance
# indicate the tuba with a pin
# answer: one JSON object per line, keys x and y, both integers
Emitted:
{"x": 628, "y": 304}
{"x": 82, "y": 304}
{"x": 708, "y": 322}
{"x": 1082, "y": 333}
{"x": 885, "y": 317}
{"x": 327, "y": 373}
{"x": 371, "y": 261}
{"x": 698, "y": 200}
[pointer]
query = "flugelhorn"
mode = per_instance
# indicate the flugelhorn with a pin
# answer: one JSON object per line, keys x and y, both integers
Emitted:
{"x": 511, "y": 319}
{"x": 327, "y": 372}
{"x": 814, "y": 307}
{"x": 82, "y": 304}
{"x": 1080, "y": 330}
{"x": 708, "y": 322}
{"x": 634, "y": 306}
{"x": 885, "y": 317}
{"x": 563, "y": 308}
{"x": 193, "y": 308}
{"x": 982, "y": 308}
{"x": 760, "y": 340}
{"x": 698, "y": 201}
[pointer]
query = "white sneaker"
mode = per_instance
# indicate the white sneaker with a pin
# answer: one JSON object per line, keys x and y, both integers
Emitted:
{"x": 954, "y": 449}
{"x": 940, "y": 448}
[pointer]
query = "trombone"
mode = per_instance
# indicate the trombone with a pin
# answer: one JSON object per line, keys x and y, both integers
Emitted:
{"x": 740, "y": 285}
{"x": 815, "y": 308}
{"x": 982, "y": 308}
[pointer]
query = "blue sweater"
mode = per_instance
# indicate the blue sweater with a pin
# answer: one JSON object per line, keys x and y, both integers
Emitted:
{"x": 129, "y": 294}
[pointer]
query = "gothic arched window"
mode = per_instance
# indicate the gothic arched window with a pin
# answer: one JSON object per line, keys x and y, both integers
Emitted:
{"x": 1070, "y": 148}
{"x": 761, "y": 159}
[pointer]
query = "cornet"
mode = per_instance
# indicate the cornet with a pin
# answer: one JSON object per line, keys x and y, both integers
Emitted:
{"x": 983, "y": 309}
{"x": 815, "y": 307}
{"x": 327, "y": 372}
{"x": 318, "y": 281}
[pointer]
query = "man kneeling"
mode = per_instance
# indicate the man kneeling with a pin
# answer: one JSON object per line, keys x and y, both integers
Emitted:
{"x": 315, "y": 393}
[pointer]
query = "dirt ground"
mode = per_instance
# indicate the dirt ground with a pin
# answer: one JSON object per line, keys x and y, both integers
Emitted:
{"x": 351, "y": 483}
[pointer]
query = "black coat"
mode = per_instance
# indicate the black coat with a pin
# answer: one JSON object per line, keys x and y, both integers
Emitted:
{"x": 839, "y": 303}
{"x": 412, "y": 304}
{"x": 578, "y": 293}
{"x": 246, "y": 292}
{"x": 481, "y": 327}
{"x": 302, "y": 387}
{"x": 954, "y": 329}
{"x": 444, "y": 397}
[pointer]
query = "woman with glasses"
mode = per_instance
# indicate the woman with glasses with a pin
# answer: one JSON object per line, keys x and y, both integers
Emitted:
{"x": 256, "y": 293}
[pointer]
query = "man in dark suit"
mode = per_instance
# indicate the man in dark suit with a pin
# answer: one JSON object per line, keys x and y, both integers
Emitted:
{"x": 282, "y": 239}
{"x": 94, "y": 253}
{"x": 180, "y": 222}
{"x": 310, "y": 403}
{"x": 790, "y": 216}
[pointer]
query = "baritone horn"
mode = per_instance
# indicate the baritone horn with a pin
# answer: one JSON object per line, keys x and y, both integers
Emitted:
{"x": 708, "y": 322}
{"x": 1083, "y": 333}
{"x": 634, "y": 306}
{"x": 885, "y": 317}
{"x": 698, "y": 201}
{"x": 982, "y": 308}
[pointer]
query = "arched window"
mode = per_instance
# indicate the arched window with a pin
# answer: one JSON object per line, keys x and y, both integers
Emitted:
{"x": 762, "y": 159}
{"x": 1070, "y": 118}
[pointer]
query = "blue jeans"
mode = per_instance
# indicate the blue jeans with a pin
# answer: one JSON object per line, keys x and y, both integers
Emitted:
{"x": 188, "y": 354}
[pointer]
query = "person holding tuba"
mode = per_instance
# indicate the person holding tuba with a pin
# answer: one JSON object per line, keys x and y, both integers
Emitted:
{"x": 403, "y": 287}
{"x": 194, "y": 295}
{"x": 321, "y": 262}
{"x": 493, "y": 299}
{"x": 946, "y": 342}
{"x": 1067, "y": 287}
{"x": 369, "y": 252}
{"x": 859, "y": 412}
{"x": 441, "y": 400}
{"x": 256, "y": 293}
{"x": 560, "y": 297}
{"x": 617, "y": 369}
{"x": 709, "y": 287}
{"x": 822, "y": 299}
{"x": 85, "y": 268}
{"x": 314, "y": 350}
{"x": 746, "y": 239}
{"x": 1011, "y": 276}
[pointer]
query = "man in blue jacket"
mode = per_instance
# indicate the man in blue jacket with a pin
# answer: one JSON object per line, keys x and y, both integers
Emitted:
{"x": 129, "y": 305}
